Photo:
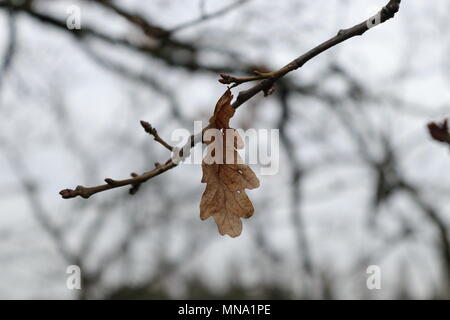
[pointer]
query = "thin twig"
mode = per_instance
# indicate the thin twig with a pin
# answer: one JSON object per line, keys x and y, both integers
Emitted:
{"x": 152, "y": 131}
{"x": 386, "y": 13}
{"x": 86, "y": 192}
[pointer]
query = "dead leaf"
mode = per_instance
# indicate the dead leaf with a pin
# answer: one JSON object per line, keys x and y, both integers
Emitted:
{"x": 224, "y": 197}
{"x": 223, "y": 112}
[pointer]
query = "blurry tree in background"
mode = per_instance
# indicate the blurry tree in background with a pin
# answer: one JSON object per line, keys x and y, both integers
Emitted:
{"x": 360, "y": 183}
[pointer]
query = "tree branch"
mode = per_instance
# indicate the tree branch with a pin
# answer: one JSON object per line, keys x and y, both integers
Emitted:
{"x": 204, "y": 17}
{"x": 152, "y": 131}
{"x": 386, "y": 13}
{"x": 135, "y": 181}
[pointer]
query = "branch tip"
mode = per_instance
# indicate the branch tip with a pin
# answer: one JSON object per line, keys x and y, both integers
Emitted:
{"x": 78, "y": 191}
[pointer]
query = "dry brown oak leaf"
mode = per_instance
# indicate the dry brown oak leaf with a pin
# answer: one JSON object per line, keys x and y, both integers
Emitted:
{"x": 224, "y": 197}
